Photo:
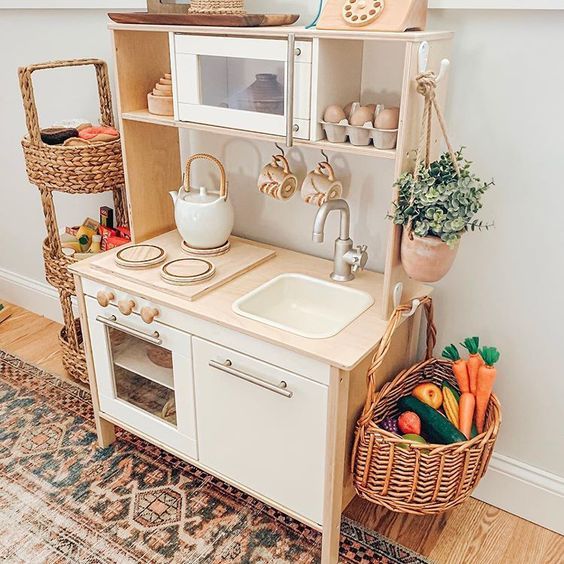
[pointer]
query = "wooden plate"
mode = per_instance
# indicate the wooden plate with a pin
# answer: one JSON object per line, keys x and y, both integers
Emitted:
{"x": 187, "y": 271}
{"x": 219, "y": 20}
{"x": 140, "y": 256}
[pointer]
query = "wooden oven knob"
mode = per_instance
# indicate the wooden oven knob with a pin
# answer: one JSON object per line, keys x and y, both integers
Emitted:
{"x": 104, "y": 297}
{"x": 148, "y": 314}
{"x": 126, "y": 306}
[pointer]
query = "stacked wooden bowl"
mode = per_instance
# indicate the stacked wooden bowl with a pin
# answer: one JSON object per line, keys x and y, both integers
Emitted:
{"x": 160, "y": 99}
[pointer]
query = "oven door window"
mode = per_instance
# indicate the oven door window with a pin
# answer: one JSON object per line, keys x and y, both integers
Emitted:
{"x": 143, "y": 375}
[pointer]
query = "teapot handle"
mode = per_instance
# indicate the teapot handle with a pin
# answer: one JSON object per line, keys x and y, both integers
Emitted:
{"x": 205, "y": 156}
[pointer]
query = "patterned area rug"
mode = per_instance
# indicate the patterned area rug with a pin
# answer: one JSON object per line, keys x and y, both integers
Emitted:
{"x": 63, "y": 499}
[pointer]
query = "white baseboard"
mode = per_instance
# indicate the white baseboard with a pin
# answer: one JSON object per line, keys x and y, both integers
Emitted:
{"x": 39, "y": 297}
{"x": 524, "y": 490}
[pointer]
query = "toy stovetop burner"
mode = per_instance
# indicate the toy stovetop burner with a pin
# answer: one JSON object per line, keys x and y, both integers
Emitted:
{"x": 374, "y": 15}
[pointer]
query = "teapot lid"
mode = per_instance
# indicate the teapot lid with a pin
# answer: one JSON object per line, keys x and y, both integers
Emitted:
{"x": 201, "y": 196}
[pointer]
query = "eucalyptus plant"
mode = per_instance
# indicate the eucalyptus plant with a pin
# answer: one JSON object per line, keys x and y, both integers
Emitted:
{"x": 440, "y": 202}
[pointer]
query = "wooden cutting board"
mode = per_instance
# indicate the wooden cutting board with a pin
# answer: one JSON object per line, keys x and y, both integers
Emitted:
{"x": 241, "y": 258}
{"x": 218, "y": 20}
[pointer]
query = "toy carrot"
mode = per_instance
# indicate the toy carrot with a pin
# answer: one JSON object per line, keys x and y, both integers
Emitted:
{"x": 466, "y": 407}
{"x": 486, "y": 378}
{"x": 458, "y": 367}
{"x": 472, "y": 345}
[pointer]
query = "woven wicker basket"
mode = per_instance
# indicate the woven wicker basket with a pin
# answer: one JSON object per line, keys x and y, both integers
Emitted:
{"x": 76, "y": 170}
{"x": 218, "y": 6}
{"x": 83, "y": 169}
{"x": 406, "y": 476}
{"x": 75, "y": 364}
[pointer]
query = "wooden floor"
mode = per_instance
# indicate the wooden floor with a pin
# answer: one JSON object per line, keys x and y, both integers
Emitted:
{"x": 475, "y": 533}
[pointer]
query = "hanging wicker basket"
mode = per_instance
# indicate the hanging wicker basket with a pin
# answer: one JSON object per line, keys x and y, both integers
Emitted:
{"x": 407, "y": 476}
{"x": 217, "y": 6}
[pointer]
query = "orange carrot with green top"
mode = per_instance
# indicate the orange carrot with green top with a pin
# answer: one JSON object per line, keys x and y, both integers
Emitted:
{"x": 484, "y": 386}
{"x": 466, "y": 406}
{"x": 458, "y": 367}
{"x": 474, "y": 361}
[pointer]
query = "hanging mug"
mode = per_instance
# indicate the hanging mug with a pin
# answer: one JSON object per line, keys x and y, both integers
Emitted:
{"x": 320, "y": 185}
{"x": 277, "y": 180}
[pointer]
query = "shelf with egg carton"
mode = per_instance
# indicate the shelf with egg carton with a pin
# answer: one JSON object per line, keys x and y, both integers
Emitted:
{"x": 362, "y": 125}
{"x": 145, "y": 116}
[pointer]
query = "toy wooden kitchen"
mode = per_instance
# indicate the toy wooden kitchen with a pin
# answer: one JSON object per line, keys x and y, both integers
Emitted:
{"x": 209, "y": 371}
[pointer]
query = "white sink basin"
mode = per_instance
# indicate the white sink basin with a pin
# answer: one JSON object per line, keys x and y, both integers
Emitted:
{"x": 303, "y": 305}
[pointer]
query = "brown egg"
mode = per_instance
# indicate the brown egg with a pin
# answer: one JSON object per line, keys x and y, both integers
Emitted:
{"x": 388, "y": 118}
{"x": 348, "y": 109}
{"x": 361, "y": 116}
{"x": 372, "y": 108}
{"x": 334, "y": 114}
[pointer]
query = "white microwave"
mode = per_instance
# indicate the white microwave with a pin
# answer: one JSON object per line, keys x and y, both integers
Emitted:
{"x": 252, "y": 84}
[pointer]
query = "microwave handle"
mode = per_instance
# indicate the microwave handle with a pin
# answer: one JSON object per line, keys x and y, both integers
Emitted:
{"x": 290, "y": 89}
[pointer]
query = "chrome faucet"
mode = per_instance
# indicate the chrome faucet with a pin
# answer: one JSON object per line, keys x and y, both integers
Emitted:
{"x": 347, "y": 260}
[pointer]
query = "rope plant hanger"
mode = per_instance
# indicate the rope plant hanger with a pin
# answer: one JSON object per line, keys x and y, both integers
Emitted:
{"x": 427, "y": 87}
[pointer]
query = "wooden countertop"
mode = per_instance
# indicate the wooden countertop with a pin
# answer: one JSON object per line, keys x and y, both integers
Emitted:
{"x": 345, "y": 350}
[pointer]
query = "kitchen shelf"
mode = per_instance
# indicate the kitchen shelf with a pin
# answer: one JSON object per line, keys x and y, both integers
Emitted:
{"x": 369, "y": 150}
{"x": 133, "y": 357}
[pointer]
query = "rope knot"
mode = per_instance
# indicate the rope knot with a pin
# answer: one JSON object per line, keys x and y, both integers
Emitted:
{"x": 426, "y": 84}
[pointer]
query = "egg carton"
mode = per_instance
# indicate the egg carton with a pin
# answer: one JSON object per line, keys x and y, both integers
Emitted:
{"x": 360, "y": 135}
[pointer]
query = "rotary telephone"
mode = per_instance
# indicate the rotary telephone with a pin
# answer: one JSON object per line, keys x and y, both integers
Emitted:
{"x": 374, "y": 15}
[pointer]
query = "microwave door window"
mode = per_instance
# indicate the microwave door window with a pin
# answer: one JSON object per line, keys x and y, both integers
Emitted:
{"x": 251, "y": 85}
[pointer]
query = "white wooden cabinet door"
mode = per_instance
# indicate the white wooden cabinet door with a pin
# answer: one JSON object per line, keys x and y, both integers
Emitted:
{"x": 144, "y": 375}
{"x": 229, "y": 82}
{"x": 261, "y": 426}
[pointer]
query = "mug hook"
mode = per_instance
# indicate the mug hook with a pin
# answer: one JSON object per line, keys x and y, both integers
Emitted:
{"x": 280, "y": 149}
{"x": 325, "y": 155}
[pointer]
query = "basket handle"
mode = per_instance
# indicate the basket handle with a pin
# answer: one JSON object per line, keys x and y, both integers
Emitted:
{"x": 379, "y": 356}
{"x": 217, "y": 162}
{"x": 30, "y": 107}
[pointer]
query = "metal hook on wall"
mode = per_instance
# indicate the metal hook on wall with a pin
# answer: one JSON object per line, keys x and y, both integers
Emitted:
{"x": 325, "y": 156}
{"x": 280, "y": 149}
{"x": 424, "y": 49}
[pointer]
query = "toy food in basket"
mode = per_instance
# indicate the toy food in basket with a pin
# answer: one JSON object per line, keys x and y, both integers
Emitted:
{"x": 445, "y": 414}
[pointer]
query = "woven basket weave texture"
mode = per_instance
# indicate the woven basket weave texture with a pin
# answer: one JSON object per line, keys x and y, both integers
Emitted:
{"x": 406, "y": 476}
{"x": 87, "y": 169}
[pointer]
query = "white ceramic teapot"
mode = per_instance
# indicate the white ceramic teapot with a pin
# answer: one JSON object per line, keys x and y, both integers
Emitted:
{"x": 204, "y": 218}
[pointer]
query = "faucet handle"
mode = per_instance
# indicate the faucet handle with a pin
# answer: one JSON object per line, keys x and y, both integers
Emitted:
{"x": 360, "y": 258}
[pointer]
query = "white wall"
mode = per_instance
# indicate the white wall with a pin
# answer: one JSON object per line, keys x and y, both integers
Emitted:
{"x": 504, "y": 105}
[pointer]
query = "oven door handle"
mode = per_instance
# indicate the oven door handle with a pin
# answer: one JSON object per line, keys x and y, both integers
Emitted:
{"x": 114, "y": 324}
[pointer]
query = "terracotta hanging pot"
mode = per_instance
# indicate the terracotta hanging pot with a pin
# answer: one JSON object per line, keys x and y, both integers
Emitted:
{"x": 426, "y": 259}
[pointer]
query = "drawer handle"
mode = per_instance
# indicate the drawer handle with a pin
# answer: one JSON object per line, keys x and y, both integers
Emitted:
{"x": 228, "y": 368}
{"x": 114, "y": 324}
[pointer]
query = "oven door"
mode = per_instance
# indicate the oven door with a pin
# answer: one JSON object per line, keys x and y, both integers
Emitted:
{"x": 144, "y": 376}
{"x": 242, "y": 83}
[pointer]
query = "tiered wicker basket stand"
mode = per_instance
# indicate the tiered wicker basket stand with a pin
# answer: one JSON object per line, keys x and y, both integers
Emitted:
{"x": 89, "y": 169}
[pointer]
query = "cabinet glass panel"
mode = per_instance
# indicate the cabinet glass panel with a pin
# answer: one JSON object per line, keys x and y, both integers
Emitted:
{"x": 243, "y": 84}
{"x": 143, "y": 375}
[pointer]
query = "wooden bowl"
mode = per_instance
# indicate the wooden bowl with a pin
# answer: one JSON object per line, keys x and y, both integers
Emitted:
{"x": 160, "y": 105}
